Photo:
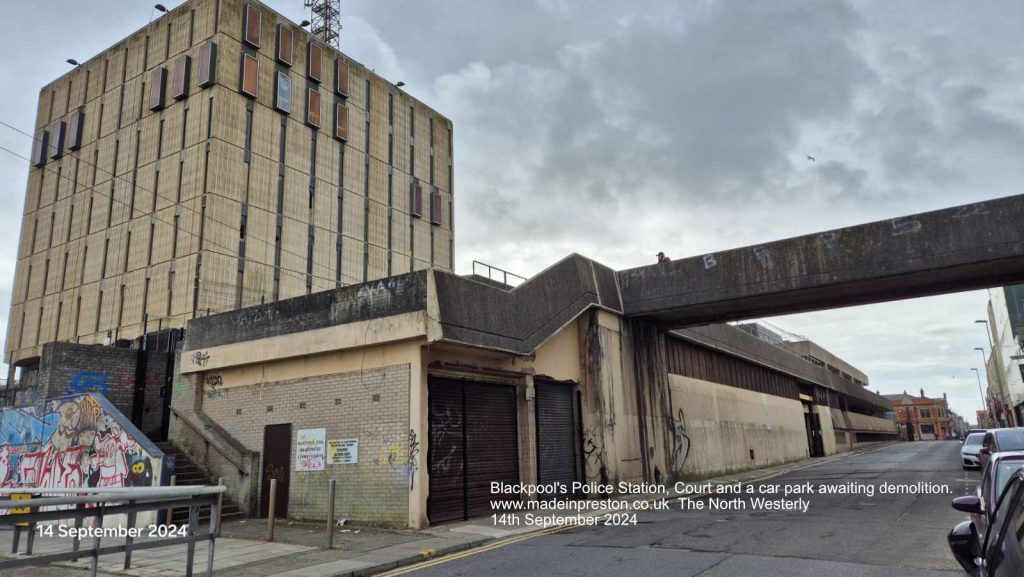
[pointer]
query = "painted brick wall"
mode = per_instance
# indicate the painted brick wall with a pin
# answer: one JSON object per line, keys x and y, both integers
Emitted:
{"x": 370, "y": 405}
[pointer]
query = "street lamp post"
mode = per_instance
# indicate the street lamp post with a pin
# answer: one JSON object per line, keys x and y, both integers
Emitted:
{"x": 987, "y": 332}
{"x": 984, "y": 405}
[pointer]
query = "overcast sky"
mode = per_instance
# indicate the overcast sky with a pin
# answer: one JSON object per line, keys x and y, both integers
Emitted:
{"x": 618, "y": 129}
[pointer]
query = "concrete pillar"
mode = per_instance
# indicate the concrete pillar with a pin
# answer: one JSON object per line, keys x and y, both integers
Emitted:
{"x": 526, "y": 406}
{"x": 416, "y": 452}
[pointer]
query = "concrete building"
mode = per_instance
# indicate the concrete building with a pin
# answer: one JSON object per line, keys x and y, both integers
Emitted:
{"x": 1005, "y": 368}
{"x": 218, "y": 158}
{"x": 922, "y": 418}
{"x": 417, "y": 391}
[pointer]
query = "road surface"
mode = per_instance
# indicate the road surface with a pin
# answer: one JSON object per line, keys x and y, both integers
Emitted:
{"x": 839, "y": 535}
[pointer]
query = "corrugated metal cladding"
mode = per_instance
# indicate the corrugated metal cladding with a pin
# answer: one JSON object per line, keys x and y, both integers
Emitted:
{"x": 473, "y": 442}
{"x": 556, "y": 433}
{"x": 690, "y": 360}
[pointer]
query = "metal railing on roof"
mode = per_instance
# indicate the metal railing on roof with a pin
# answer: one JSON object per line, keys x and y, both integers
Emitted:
{"x": 496, "y": 274}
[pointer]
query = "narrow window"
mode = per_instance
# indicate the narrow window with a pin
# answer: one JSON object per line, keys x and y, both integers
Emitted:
{"x": 341, "y": 77}
{"x": 252, "y": 25}
{"x": 313, "y": 108}
{"x": 315, "y": 64}
{"x": 207, "y": 65}
{"x": 285, "y": 44}
{"x": 250, "y": 76}
{"x": 182, "y": 75}
{"x": 157, "y": 88}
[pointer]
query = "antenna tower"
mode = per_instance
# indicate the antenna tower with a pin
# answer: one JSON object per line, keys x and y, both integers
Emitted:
{"x": 325, "y": 20}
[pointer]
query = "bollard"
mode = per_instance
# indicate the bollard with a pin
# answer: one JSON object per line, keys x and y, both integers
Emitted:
{"x": 170, "y": 510}
{"x": 330, "y": 515}
{"x": 220, "y": 505}
{"x": 271, "y": 510}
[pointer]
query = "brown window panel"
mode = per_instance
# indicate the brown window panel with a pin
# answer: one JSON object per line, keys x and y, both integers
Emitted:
{"x": 250, "y": 76}
{"x": 313, "y": 107}
{"x": 157, "y": 88}
{"x": 252, "y": 26}
{"x": 416, "y": 199}
{"x": 75, "y": 130}
{"x": 341, "y": 122}
{"x": 283, "y": 92}
{"x": 57, "y": 139}
{"x": 182, "y": 75}
{"x": 315, "y": 62}
{"x": 285, "y": 44}
{"x": 207, "y": 65}
{"x": 341, "y": 77}
{"x": 39, "y": 147}
{"x": 435, "y": 207}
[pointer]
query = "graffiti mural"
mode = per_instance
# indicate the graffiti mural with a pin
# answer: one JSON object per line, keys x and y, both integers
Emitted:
{"x": 213, "y": 386}
{"x": 682, "y": 441}
{"x": 593, "y": 456}
{"x": 411, "y": 462}
{"x": 73, "y": 441}
{"x": 87, "y": 383}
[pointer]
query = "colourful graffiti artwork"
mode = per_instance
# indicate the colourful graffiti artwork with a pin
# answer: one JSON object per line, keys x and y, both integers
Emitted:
{"x": 87, "y": 383}
{"x": 69, "y": 442}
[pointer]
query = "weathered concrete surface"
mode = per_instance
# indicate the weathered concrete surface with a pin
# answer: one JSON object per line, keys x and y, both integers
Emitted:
{"x": 955, "y": 249}
{"x": 520, "y": 319}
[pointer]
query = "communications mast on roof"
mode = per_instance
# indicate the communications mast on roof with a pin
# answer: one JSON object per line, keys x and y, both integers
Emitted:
{"x": 325, "y": 20}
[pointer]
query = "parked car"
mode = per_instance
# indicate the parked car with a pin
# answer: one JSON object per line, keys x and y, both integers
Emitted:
{"x": 1001, "y": 468}
{"x": 969, "y": 450}
{"x": 1000, "y": 553}
{"x": 999, "y": 440}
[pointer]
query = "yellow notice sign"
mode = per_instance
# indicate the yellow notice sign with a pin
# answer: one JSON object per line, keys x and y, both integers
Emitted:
{"x": 20, "y": 510}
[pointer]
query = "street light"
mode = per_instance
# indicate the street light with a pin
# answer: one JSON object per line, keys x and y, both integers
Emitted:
{"x": 72, "y": 62}
{"x": 990, "y": 343}
{"x": 984, "y": 405}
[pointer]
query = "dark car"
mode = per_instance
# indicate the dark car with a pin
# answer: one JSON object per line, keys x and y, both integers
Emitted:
{"x": 999, "y": 440}
{"x": 1001, "y": 553}
{"x": 1001, "y": 468}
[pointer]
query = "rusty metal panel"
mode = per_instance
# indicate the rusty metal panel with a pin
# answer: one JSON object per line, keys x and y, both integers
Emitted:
{"x": 556, "y": 435}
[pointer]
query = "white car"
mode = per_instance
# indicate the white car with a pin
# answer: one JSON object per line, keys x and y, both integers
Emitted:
{"x": 969, "y": 451}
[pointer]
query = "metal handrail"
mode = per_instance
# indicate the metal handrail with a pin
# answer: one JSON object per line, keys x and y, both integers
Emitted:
{"x": 505, "y": 274}
{"x": 108, "y": 502}
{"x": 209, "y": 442}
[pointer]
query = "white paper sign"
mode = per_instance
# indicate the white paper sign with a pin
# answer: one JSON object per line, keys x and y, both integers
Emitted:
{"x": 343, "y": 451}
{"x": 310, "y": 447}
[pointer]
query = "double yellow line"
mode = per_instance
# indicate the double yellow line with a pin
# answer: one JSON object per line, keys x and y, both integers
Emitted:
{"x": 428, "y": 554}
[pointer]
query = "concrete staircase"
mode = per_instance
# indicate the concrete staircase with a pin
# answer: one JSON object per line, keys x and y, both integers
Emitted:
{"x": 188, "y": 472}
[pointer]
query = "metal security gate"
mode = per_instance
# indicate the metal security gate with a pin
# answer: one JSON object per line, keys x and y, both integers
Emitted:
{"x": 473, "y": 442}
{"x": 556, "y": 434}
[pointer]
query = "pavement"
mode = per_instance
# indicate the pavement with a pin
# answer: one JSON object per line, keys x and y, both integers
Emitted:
{"x": 838, "y": 536}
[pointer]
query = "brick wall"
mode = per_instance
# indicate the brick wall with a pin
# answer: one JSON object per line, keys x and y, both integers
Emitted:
{"x": 70, "y": 368}
{"x": 370, "y": 405}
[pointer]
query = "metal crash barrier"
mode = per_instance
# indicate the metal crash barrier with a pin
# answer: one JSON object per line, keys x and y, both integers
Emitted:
{"x": 43, "y": 512}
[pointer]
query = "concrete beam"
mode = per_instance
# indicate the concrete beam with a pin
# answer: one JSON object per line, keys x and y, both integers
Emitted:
{"x": 955, "y": 249}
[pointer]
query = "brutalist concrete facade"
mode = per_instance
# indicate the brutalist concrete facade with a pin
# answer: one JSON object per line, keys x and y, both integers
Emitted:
{"x": 175, "y": 176}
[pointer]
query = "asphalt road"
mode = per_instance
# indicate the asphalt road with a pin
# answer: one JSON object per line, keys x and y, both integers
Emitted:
{"x": 839, "y": 535}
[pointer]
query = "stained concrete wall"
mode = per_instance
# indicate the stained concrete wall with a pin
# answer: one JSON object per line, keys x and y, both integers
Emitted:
{"x": 720, "y": 425}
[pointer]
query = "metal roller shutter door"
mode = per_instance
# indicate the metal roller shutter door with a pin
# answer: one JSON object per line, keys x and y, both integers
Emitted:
{"x": 473, "y": 442}
{"x": 446, "y": 453}
{"x": 492, "y": 449}
{"x": 556, "y": 438}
